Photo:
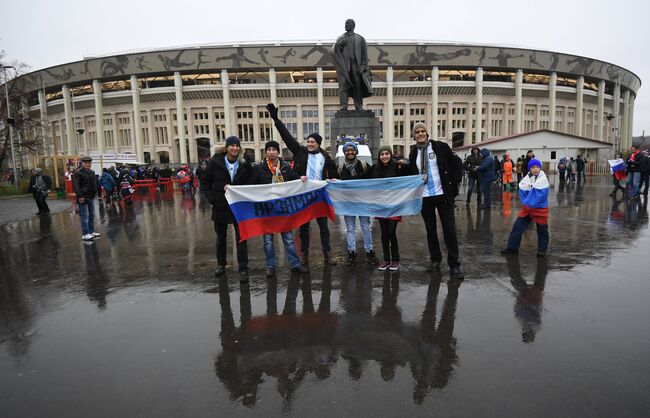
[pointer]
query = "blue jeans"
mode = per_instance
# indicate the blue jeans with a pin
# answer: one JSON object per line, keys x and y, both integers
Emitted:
{"x": 87, "y": 216}
{"x": 350, "y": 226}
{"x": 486, "y": 192}
{"x": 518, "y": 228}
{"x": 471, "y": 183}
{"x": 289, "y": 248}
{"x": 633, "y": 180}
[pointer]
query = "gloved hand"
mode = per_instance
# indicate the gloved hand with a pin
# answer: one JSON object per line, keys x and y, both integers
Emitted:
{"x": 273, "y": 111}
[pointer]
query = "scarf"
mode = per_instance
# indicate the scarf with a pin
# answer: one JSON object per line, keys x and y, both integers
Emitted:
{"x": 351, "y": 167}
{"x": 424, "y": 161}
{"x": 276, "y": 171}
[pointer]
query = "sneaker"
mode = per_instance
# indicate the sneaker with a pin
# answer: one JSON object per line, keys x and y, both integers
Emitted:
{"x": 327, "y": 258}
{"x": 220, "y": 271}
{"x": 434, "y": 266}
{"x": 541, "y": 254}
{"x": 384, "y": 265}
{"x": 243, "y": 276}
{"x": 87, "y": 237}
{"x": 95, "y": 234}
{"x": 394, "y": 266}
{"x": 270, "y": 272}
{"x": 506, "y": 251}
{"x": 456, "y": 273}
{"x": 352, "y": 258}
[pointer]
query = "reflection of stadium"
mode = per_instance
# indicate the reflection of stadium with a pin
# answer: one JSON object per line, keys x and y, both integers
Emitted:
{"x": 291, "y": 346}
{"x": 222, "y": 91}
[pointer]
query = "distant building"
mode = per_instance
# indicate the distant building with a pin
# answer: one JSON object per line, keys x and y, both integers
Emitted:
{"x": 171, "y": 105}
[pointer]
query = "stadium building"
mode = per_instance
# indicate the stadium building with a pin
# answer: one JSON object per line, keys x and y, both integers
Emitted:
{"x": 171, "y": 105}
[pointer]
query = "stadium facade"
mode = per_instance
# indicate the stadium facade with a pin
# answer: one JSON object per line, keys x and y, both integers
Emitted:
{"x": 131, "y": 102}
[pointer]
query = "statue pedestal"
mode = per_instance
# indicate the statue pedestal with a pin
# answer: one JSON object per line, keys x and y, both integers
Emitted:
{"x": 356, "y": 123}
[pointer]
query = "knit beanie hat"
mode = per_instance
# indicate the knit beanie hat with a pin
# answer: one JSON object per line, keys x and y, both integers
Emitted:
{"x": 417, "y": 126}
{"x": 232, "y": 140}
{"x": 350, "y": 144}
{"x": 534, "y": 162}
{"x": 271, "y": 144}
{"x": 316, "y": 137}
{"x": 384, "y": 148}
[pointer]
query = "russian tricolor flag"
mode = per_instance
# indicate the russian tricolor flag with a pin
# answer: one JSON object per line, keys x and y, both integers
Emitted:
{"x": 279, "y": 207}
{"x": 618, "y": 168}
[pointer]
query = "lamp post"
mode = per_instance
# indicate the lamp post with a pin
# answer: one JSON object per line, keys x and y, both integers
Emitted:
{"x": 10, "y": 122}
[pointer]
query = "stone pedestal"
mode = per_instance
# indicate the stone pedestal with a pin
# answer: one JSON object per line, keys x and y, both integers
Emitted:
{"x": 356, "y": 123}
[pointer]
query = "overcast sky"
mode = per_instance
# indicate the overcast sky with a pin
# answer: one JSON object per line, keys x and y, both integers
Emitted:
{"x": 43, "y": 33}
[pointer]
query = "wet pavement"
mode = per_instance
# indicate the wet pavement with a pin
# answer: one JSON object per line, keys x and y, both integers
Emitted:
{"x": 137, "y": 325}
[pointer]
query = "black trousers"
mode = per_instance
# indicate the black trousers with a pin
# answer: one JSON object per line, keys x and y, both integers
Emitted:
{"x": 242, "y": 247}
{"x": 324, "y": 236}
{"x": 40, "y": 197}
{"x": 389, "y": 239}
{"x": 445, "y": 210}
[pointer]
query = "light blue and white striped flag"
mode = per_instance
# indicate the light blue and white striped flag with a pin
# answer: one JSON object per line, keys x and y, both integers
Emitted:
{"x": 383, "y": 197}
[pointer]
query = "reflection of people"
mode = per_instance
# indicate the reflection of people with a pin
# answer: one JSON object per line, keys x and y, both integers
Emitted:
{"x": 39, "y": 185}
{"x": 351, "y": 61}
{"x": 84, "y": 184}
{"x": 528, "y": 304}
{"x": 96, "y": 282}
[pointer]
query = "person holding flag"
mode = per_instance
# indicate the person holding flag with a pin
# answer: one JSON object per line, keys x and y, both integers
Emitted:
{"x": 618, "y": 169}
{"x": 533, "y": 194}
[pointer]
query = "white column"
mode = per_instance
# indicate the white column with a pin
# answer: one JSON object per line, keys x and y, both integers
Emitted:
{"x": 552, "y": 87}
{"x": 321, "y": 102}
{"x": 407, "y": 121}
{"x": 45, "y": 126}
{"x": 274, "y": 100}
{"x": 137, "y": 125}
{"x": 617, "y": 117}
{"x": 225, "y": 84}
{"x": 213, "y": 132}
{"x": 579, "y": 105}
{"x": 600, "y": 116}
{"x": 626, "y": 119}
{"x": 450, "y": 106}
{"x": 180, "y": 120}
{"x": 630, "y": 126}
{"x": 488, "y": 120}
{"x": 99, "y": 115}
{"x": 257, "y": 146}
{"x": 69, "y": 122}
{"x": 191, "y": 137}
{"x": 518, "y": 89}
{"x": 435, "y": 83}
{"x": 479, "y": 104}
{"x": 389, "y": 128}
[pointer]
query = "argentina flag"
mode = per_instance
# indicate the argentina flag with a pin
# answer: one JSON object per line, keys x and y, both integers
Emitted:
{"x": 382, "y": 197}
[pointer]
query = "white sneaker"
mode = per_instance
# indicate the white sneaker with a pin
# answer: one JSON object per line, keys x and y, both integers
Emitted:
{"x": 87, "y": 237}
{"x": 95, "y": 234}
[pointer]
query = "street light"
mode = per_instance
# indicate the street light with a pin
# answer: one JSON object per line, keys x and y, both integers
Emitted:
{"x": 10, "y": 122}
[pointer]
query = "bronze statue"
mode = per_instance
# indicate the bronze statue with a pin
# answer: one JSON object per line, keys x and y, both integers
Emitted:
{"x": 350, "y": 54}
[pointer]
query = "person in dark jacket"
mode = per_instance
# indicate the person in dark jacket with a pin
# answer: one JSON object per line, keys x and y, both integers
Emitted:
{"x": 524, "y": 167}
{"x": 645, "y": 172}
{"x": 580, "y": 168}
{"x": 227, "y": 167}
{"x": 108, "y": 184}
{"x": 349, "y": 169}
{"x": 486, "y": 176}
{"x": 84, "y": 184}
{"x": 273, "y": 170}
{"x": 39, "y": 185}
{"x": 635, "y": 164}
{"x": 471, "y": 164}
{"x": 442, "y": 172}
{"x": 314, "y": 163}
{"x": 386, "y": 166}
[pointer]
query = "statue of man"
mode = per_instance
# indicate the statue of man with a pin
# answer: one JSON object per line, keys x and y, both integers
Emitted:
{"x": 350, "y": 54}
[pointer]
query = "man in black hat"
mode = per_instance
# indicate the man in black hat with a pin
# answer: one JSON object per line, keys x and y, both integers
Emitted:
{"x": 314, "y": 163}
{"x": 227, "y": 167}
{"x": 274, "y": 170}
{"x": 84, "y": 183}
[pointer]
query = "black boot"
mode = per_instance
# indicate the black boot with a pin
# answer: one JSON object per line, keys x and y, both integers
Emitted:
{"x": 371, "y": 258}
{"x": 352, "y": 258}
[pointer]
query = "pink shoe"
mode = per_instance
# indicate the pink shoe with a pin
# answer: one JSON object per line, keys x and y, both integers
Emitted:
{"x": 394, "y": 266}
{"x": 384, "y": 266}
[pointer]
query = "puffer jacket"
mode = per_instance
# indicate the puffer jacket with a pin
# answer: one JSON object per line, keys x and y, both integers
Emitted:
{"x": 486, "y": 172}
{"x": 84, "y": 183}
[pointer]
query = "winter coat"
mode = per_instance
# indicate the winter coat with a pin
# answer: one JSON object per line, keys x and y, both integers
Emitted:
{"x": 84, "y": 183}
{"x": 392, "y": 169}
{"x": 486, "y": 172}
{"x": 107, "y": 181}
{"x": 301, "y": 155}
{"x": 32, "y": 184}
{"x": 450, "y": 167}
{"x": 635, "y": 162}
{"x": 264, "y": 175}
{"x": 507, "y": 171}
{"x": 472, "y": 162}
{"x": 362, "y": 170}
{"x": 580, "y": 164}
{"x": 216, "y": 177}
